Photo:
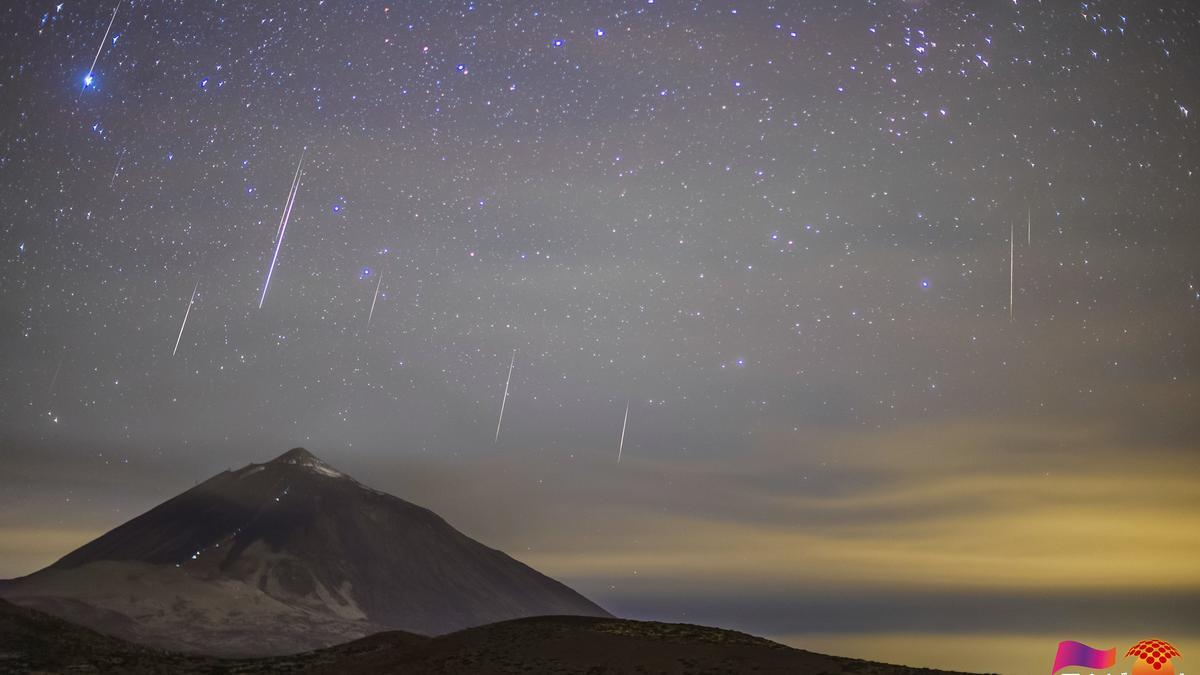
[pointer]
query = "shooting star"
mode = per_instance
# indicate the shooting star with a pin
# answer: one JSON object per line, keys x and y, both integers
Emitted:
{"x": 1029, "y": 226}
{"x": 186, "y": 313}
{"x": 87, "y": 79}
{"x": 621, "y": 447}
{"x": 505, "y": 399}
{"x": 1011, "y": 268}
{"x": 57, "y": 369}
{"x": 291, "y": 193}
{"x": 372, "y": 312}
{"x": 120, "y": 160}
{"x": 283, "y": 222}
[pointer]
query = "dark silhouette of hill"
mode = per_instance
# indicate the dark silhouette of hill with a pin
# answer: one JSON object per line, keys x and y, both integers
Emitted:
{"x": 31, "y": 641}
{"x": 570, "y": 645}
{"x": 283, "y": 557}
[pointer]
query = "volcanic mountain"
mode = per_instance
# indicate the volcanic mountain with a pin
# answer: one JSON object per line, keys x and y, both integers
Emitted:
{"x": 282, "y": 557}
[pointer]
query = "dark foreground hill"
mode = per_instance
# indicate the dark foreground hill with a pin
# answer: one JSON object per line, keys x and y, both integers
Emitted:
{"x": 31, "y": 641}
{"x": 283, "y": 557}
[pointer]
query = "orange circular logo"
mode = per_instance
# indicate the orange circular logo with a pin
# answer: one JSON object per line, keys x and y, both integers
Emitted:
{"x": 1153, "y": 657}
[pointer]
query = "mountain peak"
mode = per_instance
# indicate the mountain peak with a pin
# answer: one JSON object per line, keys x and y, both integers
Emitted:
{"x": 295, "y": 456}
{"x": 304, "y": 458}
{"x": 287, "y": 556}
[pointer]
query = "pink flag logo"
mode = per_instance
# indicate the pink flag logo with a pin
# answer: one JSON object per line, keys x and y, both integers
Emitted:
{"x": 1071, "y": 653}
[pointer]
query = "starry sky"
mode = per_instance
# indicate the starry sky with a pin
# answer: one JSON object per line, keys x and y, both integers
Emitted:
{"x": 780, "y": 232}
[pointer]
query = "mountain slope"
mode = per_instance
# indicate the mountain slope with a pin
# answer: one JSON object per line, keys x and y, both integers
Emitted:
{"x": 285, "y": 556}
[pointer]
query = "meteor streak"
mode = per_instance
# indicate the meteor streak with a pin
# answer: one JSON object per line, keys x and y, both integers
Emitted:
{"x": 291, "y": 193}
{"x": 87, "y": 79}
{"x": 505, "y": 399}
{"x": 621, "y": 447}
{"x": 372, "y": 312}
{"x": 120, "y": 160}
{"x": 283, "y": 222}
{"x": 187, "y": 312}
{"x": 1011, "y": 267}
{"x": 57, "y": 368}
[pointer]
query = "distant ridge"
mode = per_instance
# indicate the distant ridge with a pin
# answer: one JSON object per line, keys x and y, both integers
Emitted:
{"x": 565, "y": 645}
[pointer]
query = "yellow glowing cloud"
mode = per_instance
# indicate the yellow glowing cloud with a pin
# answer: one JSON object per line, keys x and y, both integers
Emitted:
{"x": 944, "y": 507}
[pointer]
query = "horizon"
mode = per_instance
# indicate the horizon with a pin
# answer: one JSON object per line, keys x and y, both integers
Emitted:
{"x": 889, "y": 311}
{"x": 1018, "y": 639}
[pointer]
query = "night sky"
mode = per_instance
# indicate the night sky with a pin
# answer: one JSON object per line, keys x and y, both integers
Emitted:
{"x": 779, "y": 231}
